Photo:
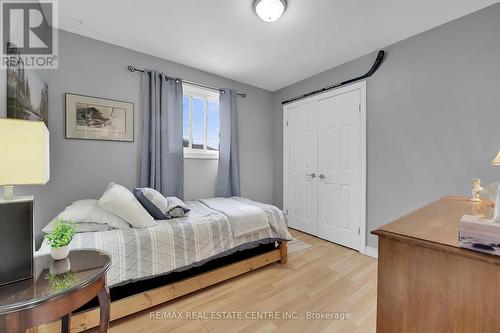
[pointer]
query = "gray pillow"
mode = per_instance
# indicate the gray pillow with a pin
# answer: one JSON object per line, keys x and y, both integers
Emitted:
{"x": 152, "y": 201}
{"x": 176, "y": 207}
{"x": 159, "y": 207}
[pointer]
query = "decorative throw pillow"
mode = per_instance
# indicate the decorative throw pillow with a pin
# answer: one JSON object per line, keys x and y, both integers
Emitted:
{"x": 158, "y": 206}
{"x": 153, "y": 201}
{"x": 88, "y": 211}
{"x": 120, "y": 201}
{"x": 176, "y": 208}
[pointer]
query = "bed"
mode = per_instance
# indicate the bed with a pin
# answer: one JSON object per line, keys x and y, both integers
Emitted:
{"x": 177, "y": 256}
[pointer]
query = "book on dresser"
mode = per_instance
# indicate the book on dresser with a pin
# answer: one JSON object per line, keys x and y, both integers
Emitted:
{"x": 479, "y": 234}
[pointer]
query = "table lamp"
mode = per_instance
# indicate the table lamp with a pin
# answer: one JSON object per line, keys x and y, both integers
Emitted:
{"x": 24, "y": 160}
{"x": 24, "y": 154}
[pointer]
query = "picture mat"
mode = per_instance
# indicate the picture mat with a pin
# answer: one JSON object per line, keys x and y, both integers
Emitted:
{"x": 96, "y": 118}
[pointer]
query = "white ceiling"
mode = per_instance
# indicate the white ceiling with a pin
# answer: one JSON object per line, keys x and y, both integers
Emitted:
{"x": 225, "y": 37}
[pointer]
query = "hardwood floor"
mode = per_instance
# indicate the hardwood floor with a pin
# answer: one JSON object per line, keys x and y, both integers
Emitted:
{"x": 325, "y": 278}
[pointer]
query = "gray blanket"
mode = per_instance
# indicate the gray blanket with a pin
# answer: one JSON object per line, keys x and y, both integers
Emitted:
{"x": 176, "y": 244}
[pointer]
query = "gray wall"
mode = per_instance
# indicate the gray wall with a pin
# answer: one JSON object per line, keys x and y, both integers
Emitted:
{"x": 432, "y": 123}
{"x": 82, "y": 168}
{"x": 433, "y": 116}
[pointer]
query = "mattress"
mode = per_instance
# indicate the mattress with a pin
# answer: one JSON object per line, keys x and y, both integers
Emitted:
{"x": 177, "y": 244}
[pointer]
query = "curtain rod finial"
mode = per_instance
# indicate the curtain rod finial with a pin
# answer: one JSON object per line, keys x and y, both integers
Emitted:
{"x": 131, "y": 68}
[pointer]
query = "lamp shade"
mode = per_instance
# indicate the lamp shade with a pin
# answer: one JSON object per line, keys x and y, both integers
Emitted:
{"x": 496, "y": 161}
{"x": 24, "y": 152}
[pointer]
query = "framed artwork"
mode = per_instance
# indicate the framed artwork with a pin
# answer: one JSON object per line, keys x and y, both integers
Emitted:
{"x": 27, "y": 94}
{"x": 94, "y": 118}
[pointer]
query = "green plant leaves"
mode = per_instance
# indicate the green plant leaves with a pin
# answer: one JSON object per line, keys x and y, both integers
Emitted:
{"x": 61, "y": 234}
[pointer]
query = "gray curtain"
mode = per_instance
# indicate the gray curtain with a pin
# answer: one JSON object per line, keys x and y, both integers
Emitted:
{"x": 228, "y": 176}
{"x": 162, "y": 154}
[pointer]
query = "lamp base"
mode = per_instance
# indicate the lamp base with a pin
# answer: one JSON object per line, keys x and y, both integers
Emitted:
{"x": 16, "y": 239}
{"x": 8, "y": 192}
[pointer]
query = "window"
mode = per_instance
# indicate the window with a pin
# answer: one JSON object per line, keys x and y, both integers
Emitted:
{"x": 200, "y": 122}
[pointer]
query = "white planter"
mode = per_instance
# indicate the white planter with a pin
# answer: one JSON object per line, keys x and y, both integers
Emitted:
{"x": 59, "y": 253}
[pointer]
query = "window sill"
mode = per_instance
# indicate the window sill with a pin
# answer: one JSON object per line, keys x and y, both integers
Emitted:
{"x": 201, "y": 155}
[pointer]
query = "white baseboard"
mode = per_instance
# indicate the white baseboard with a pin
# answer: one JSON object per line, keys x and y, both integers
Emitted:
{"x": 371, "y": 252}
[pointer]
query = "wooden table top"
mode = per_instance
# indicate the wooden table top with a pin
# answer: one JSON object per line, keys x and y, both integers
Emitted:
{"x": 54, "y": 279}
{"x": 437, "y": 224}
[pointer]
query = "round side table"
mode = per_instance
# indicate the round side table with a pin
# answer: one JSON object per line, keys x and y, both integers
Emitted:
{"x": 56, "y": 289}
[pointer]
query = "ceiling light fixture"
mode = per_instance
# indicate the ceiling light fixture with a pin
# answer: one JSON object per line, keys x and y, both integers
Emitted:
{"x": 269, "y": 10}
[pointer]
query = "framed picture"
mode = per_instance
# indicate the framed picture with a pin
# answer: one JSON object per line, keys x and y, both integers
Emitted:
{"x": 27, "y": 94}
{"x": 94, "y": 118}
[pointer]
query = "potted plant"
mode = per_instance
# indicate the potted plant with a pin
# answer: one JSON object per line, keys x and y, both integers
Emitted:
{"x": 59, "y": 239}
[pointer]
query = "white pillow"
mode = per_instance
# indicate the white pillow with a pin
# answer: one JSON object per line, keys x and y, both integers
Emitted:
{"x": 120, "y": 201}
{"x": 88, "y": 211}
{"x": 85, "y": 202}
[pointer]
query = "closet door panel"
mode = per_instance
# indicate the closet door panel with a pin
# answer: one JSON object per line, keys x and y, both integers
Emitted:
{"x": 339, "y": 162}
{"x": 301, "y": 164}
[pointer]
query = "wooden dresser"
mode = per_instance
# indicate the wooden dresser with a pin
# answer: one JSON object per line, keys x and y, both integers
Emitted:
{"x": 426, "y": 283}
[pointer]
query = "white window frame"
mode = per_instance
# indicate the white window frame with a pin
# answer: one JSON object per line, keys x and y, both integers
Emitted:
{"x": 206, "y": 95}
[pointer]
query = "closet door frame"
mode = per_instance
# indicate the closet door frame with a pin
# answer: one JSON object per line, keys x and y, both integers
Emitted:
{"x": 361, "y": 86}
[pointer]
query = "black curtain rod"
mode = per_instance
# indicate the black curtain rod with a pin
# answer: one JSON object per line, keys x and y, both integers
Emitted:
{"x": 133, "y": 69}
{"x": 373, "y": 69}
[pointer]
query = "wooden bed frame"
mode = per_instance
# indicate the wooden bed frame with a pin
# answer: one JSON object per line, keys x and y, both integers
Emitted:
{"x": 121, "y": 308}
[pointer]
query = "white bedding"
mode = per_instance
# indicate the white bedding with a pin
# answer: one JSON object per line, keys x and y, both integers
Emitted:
{"x": 175, "y": 244}
{"x": 245, "y": 219}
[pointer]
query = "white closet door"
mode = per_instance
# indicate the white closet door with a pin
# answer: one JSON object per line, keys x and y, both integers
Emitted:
{"x": 302, "y": 146}
{"x": 339, "y": 169}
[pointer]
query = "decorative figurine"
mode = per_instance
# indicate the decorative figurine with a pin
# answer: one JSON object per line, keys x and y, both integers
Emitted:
{"x": 476, "y": 190}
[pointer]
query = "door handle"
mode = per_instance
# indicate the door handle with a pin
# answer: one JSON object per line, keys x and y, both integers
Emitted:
{"x": 322, "y": 176}
{"x": 312, "y": 175}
